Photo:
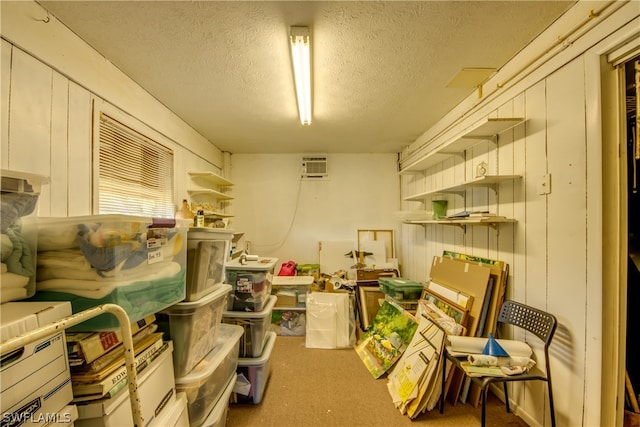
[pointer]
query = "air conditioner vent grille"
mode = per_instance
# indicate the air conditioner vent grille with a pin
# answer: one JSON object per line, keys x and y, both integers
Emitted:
{"x": 314, "y": 167}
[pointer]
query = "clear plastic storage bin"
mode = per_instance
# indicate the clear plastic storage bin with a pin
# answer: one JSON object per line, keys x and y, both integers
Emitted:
{"x": 19, "y": 214}
{"x": 291, "y": 290}
{"x": 218, "y": 415}
{"x": 207, "y": 381}
{"x": 130, "y": 261}
{"x": 257, "y": 371}
{"x": 207, "y": 251}
{"x": 193, "y": 327}
{"x": 400, "y": 289}
{"x": 255, "y": 325}
{"x": 251, "y": 283}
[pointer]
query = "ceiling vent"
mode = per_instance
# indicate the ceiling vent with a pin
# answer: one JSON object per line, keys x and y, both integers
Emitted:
{"x": 314, "y": 167}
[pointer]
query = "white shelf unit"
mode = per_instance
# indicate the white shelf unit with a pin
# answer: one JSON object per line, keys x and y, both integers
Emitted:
{"x": 211, "y": 188}
{"x": 484, "y": 130}
{"x": 491, "y": 221}
{"x": 484, "y": 181}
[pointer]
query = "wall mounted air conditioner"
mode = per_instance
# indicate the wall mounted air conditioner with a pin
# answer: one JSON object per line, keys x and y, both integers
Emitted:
{"x": 314, "y": 167}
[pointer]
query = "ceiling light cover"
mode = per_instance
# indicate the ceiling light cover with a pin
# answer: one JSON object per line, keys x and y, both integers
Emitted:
{"x": 301, "y": 56}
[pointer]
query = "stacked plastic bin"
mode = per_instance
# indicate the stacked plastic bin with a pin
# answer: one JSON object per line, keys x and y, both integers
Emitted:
{"x": 250, "y": 306}
{"x": 135, "y": 262}
{"x": 19, "y": 209}
{"x": 205, "y": 350}
{"x": 289, "y": 313}
{"x": 404, "y": 292}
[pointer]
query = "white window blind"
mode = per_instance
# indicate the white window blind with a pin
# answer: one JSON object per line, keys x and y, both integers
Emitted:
{"x": 136, "y": 173}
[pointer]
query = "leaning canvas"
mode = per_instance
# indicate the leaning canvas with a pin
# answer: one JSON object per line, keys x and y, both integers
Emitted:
{"x": 386, "y": 339}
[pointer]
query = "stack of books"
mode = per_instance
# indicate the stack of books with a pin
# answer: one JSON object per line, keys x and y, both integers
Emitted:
{"x": 97, "y": 363}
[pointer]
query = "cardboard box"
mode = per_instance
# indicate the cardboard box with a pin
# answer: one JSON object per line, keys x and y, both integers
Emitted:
{"x": 36, "y": 381}
{"x": 156, "y": 387}
{"x": 372, "y": 275}
{"x": 65, "y": 418}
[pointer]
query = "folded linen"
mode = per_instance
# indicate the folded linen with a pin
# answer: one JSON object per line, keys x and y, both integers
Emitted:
{"x": 99, "y": 289}
{"x": 12, "y": 294}
{"x": 12, "y": 281}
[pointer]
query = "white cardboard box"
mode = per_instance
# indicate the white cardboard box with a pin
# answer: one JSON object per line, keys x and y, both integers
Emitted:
{"x": 156, "y": 387}
{"x": 36, "y": 381}
{"x": 65, "y": 418}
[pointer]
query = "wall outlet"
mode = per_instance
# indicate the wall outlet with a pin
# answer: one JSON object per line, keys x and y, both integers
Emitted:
{"x": 544, "y": 184}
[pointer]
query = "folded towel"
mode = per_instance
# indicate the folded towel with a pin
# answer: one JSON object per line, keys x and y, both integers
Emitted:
{"x": 12, "y": 294}
{"x": 12, "y": 280}
{"x": 99, "y": 289}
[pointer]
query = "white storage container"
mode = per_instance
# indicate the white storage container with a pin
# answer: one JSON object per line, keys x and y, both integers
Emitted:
{"x": 256, "y": 324}
{"x": 193, "y": 327}
{"x": 291, "y": 290}
{"x": 218, "y": 415}
{"x": 257, "y": 371}
{"x": 156, "y": 387}
{"x": 174, "y": 416}
{"x": 251, "y": 283}
{"x": 65, "y": 418}
{"x": 19, "y": 215}
{"x": 134, "y": 262}
{"x": 206, "y": 382}
{"x": 207, "y": 251}
{"x": 35, "y": 379}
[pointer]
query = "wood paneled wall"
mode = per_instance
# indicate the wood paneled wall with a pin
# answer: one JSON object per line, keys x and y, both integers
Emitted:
{"x": 547, "y": 248}
{"x": 47, "y": 130}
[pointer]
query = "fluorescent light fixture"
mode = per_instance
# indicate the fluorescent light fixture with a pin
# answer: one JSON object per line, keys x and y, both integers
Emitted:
{"x": 301, "y": 57}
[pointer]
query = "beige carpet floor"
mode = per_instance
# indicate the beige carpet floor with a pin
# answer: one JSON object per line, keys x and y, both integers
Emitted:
{"x": 315, "y": 387}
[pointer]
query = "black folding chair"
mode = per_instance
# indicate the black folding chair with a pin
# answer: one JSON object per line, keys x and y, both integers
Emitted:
{"x": 541, "y": 324}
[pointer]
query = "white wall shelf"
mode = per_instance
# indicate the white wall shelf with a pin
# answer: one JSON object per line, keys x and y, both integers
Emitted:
{"x": 214, "y": 194}
{"x": 482, "y": 131}
{"x": 491, "y": 221}
{"x": 210, "y": 178}
{"x": 210, "y": 194}
{"x": 489, "y": 181}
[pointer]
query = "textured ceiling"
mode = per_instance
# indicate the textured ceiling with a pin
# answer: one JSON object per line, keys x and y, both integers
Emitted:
{"x": 380, "y": 68}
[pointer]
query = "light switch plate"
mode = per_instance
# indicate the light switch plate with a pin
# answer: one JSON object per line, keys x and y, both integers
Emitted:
{"x": 544, "y": 184}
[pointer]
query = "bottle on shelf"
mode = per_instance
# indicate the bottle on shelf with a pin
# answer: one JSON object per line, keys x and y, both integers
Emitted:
{"x": 200, "y": 218}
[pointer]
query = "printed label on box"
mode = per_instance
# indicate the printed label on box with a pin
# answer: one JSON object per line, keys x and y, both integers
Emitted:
{"x": 244, "y": 285}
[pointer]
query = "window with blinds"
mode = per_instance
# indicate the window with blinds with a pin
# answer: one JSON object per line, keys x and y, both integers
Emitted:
{"x": 135, "y": 172}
